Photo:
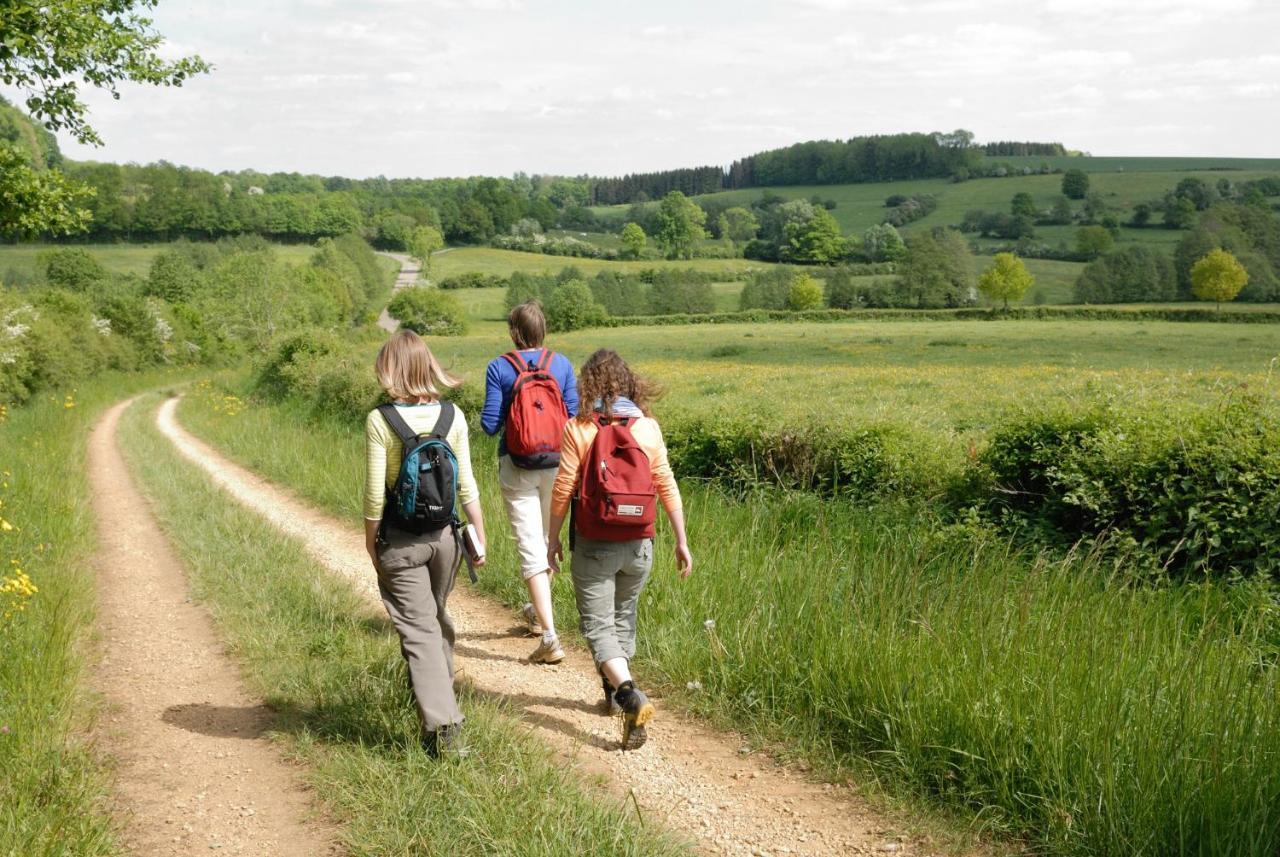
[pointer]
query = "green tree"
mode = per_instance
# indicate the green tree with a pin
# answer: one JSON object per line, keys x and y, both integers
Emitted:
{"x": 34, "y": 201}
{"x": 805, "y": 293}
{"x": 1218, "y": 277}
{"x": 937, "y": 271}
{"x": 1006, "y": 279}
{"x": 572, "y": 306}
{"x": 1179, "y": 212}
{"x": 1093, "y": 241}
{"x": 740, "y": 224}
{"x": 1061, "y": 212}
{"x": 46, "y": 51}
{"x": 428, "y": 312}
{"x": 634, "y": 239}
{"x": 680, "y": 221}
{"x": 172, "y": 278}
{"x": 883, "y": 243}
{"x": 1075, "y": 184}
{"x": 424, "y": 241}
{"x": 1023, "y": 205}
{"x": 816, "y": 240}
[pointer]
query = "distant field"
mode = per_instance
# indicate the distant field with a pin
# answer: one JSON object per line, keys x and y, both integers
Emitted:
{"x": 1122, "y": 164}
{"x": 488, "y": 260}
{"x": 953, "y": 377}
{"x": 22, "y": 259}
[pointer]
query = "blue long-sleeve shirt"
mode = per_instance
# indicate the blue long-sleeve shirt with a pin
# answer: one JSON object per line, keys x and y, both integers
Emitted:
{"x": 501, "y": 376}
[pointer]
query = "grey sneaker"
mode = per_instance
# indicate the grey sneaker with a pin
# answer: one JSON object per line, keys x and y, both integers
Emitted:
{"x": 548, "y": 652}
{"x": 531, "y": 617}
{"x": 637, "y": 711}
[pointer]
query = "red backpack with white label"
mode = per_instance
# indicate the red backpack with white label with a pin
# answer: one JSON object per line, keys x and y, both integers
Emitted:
{"x": 617, "y": 499}
{"x": 536, "y": 418}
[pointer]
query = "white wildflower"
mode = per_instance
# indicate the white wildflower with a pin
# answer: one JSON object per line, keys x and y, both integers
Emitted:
{"x": 102, "y": 325}
{"x": 164, "y": 330}
{"x": 710, "y": 624}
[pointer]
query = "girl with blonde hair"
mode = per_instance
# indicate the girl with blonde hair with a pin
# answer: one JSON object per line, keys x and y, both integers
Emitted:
{"x": 414, "y": 545}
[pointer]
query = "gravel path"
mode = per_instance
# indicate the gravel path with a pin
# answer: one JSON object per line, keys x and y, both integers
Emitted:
{"x": 696, "y": 780}
{"x": 195, "y": 772}
{"x": 409, "y": 271}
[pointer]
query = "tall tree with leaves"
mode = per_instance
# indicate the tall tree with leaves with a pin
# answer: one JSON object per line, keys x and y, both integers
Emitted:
{"x": 1218, "y": 277}
{"x": 1006, "y": 279}
{"x": 47, "y": 52}
{"x": 424, "y": 241}
{"x": 680, "y": 222}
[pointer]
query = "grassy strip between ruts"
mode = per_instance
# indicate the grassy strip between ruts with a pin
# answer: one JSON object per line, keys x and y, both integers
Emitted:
{"x": 53, "y": 791}
{"x": 1034, "y": 693}
{"x": 330, "y": 665}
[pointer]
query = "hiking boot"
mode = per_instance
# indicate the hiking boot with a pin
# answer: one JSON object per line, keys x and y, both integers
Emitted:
{"x": 611, "y": 706}
{"x": 637, "y": 711}
{"x": 445, "y": 743}
{"x": 548, "y": 652}
{"x": 531, "y": 618}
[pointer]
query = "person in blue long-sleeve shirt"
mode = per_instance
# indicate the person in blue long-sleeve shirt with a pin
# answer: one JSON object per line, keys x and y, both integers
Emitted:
{"x": 527, "y": 493}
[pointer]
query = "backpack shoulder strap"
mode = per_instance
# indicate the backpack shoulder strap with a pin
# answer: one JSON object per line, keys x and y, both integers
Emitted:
{"x": 398, "y": 425}
{"x": 445, "y": 421}
{"x": 513, "y": 357}
{"x": 544, "y": 359}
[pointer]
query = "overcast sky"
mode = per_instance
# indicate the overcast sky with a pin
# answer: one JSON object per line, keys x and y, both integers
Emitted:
{"x": 463, "y": 87}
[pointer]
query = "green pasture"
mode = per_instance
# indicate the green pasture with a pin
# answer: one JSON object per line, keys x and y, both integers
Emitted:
{"x": 24, "y": 259}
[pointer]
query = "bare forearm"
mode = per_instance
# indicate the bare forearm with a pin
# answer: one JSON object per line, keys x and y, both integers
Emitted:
{"x": 475, "y": 517}
{"x": 676, "y": 517}
{"x": 371, "y": 538}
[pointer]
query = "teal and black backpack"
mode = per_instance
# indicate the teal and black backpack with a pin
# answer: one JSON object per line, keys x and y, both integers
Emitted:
{"x": 424, "y": 497}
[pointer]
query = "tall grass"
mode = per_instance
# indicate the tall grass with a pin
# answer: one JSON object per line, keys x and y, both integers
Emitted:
{"x": 1050, "y": 702}
{"x": 330, "y": 665}
{"x": 52, "y": 785}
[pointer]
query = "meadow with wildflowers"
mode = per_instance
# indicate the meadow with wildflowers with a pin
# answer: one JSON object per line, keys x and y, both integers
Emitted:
{"x": 1046, "y": 691}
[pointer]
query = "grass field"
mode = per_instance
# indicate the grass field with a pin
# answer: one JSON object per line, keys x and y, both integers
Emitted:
{"x": 502, "y": 263}
{"x": 23, "y": 259}
{"x": 330, "y": 665}
{"x": 948, "y": 664}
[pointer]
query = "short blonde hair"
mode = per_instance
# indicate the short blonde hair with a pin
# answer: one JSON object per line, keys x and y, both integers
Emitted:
{"x": 407, "y": 369}
{"x": 527, "y": 324}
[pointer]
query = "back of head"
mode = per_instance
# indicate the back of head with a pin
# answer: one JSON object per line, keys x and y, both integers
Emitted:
{"x": 527, "y": 324}
{"x": 406, "y": 369}
{"x": 606, "y": 377}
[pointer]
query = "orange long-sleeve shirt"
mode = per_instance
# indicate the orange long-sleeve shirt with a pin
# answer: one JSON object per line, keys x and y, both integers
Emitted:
{"x": 580, "y": 433}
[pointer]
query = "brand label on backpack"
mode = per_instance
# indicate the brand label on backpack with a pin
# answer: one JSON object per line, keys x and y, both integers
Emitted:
{"x": 631, "y": 511}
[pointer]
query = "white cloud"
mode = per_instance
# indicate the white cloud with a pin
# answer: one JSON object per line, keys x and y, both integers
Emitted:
{"x": 456, "y": 87}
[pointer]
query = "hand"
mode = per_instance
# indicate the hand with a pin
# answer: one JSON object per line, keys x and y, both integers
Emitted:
{"x": 684, "y": 560}
{"x": 479, "y": 561}
{"x": 555, "y": 555}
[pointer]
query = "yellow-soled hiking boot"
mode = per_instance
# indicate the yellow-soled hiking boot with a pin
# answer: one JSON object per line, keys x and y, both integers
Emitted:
{"x": 637, "y": 711}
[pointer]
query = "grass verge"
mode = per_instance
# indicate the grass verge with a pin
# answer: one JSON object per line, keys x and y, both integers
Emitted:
{"x": 1032, "y": 694}
{"x": 53, "y": 789}
{"x": 330, "y": 665}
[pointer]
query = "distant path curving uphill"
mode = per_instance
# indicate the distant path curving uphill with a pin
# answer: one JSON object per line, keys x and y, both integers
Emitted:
{"x": 691, "y": 778}
{"x": 409, "y": 273}
{"x": 195, "y": 770}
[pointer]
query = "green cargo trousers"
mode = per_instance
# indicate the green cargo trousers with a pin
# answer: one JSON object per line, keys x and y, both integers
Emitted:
{"x": 607, "y": 580}
{"x": 417, "y": 574}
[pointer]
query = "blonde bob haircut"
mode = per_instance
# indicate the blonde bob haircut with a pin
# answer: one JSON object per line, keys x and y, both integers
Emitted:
{"x": 408, "y": 370}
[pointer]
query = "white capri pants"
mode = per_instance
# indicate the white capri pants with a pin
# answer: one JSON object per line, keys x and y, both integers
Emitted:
{"x": 527, "y": 494}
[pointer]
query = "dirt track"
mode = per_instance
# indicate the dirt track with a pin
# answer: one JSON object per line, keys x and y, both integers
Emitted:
{"x": 696, "y": 780}
{"x": 195, "y": 771}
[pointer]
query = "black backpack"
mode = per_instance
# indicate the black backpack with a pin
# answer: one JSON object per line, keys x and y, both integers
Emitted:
{"x": 423, "y": 499}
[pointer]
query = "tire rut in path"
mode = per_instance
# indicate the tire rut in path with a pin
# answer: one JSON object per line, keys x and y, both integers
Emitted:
{"x": 689, "y": 777}
{"x": 195, "y": 772}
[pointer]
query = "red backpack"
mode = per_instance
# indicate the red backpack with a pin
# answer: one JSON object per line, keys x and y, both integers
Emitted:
{"x": 536, "y": 418}
{"x": 617, "y": 500}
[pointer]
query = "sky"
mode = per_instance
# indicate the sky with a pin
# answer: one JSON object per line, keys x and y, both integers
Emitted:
{"x": 489, "y": 87}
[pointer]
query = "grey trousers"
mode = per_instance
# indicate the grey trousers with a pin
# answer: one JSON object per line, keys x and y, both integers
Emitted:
{"x": 607, "y": 580}
{"x": 417, "y": 576}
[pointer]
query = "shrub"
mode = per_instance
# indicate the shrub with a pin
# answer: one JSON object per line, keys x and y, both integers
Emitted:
{"x": 72, "y": 268}
{"x": 1194, "y": 491}
{"x": 428, "y": 312}
{"x": 573, "y": 307}
{"x": 805, "y": 293}
{"x": 472, "y": 280}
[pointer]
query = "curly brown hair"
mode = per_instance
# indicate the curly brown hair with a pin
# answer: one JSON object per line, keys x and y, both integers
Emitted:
{"x": 606, "y": 376}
